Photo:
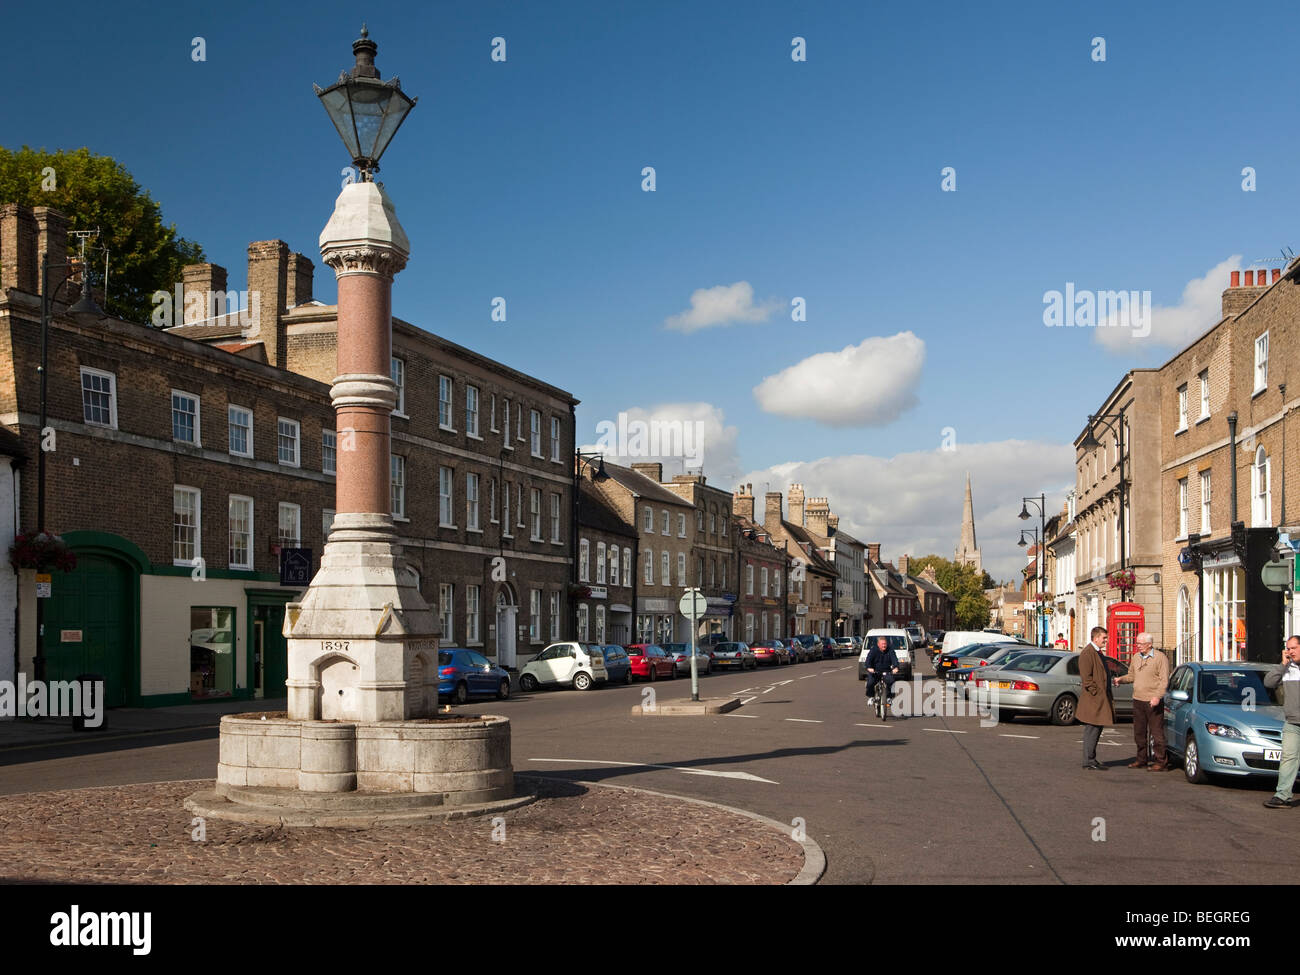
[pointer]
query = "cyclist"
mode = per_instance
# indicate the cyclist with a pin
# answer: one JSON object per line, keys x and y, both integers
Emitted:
{"x": 882, "y": 664}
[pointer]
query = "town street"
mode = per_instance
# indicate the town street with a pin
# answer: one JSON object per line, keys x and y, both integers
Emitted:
{"x": 919, "y": 800}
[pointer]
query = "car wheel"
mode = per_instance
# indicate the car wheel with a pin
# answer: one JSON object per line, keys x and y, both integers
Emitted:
{"x": 1063, "y": 709}
{"x": 461, "y": 694}
{"x": 581, "y": 681}
{"x": 650, "y": 669}
{"x": 1192, "y": 763}
{"x": 627, "y": 678}
{"x": 503, "y": 690}
{"x": 672, "y": 674}
{"x": 528, "y": 683}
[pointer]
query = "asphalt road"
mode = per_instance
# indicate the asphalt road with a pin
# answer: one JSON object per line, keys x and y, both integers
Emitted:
{"x": 919, "y": 800}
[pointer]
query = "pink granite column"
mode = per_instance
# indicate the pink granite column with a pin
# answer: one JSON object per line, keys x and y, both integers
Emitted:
{"x": 364, "y": 349}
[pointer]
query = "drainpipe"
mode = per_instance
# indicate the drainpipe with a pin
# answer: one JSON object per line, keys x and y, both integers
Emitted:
{"x": 1232, "y": 462}
{"x": 1281, "y": 388}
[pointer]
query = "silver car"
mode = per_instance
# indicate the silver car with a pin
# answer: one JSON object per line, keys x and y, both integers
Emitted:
{"x": 736, "y": 655}
{"x": 1045, "y": 682}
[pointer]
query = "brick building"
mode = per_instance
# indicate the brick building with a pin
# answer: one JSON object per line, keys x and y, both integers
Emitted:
{"x": 713, "y": 545}
{"x": 1220, "y": 533}
{"x": 606, "y": 576}
{"x": 810, "y": 593}
{"x": 762, "y": 577}
{"x": 846, "y": 553}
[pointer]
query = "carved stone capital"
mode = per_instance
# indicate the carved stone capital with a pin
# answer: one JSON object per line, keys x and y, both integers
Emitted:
{"x": 363, "y": 259}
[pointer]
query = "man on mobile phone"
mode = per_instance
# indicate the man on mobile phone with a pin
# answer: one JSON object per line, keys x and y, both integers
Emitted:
{"x": 1286, "y": 677}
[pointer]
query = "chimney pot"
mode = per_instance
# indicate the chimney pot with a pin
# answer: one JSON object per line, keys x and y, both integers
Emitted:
{"x": 1250, "y": 279}
{"x": 1236, "y": 280}
{"x": 1277, "y": 273}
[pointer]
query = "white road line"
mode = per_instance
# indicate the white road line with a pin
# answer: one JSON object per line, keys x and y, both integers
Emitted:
{"x": 805, "y": 720}
{"x": 769, "y": 690}
{"x": 748, "y": 699}
{"x": 740, "y": 715}
{"x": 828, "y": 671}
{"x": 781, "y": 683}
{"x": 871, "y": 726}
{"x": 946, "y": 731}
{"x": 1035, "y": 737}
{"x": 672, "y": 768}
{"x": 1117, "y": 744}
{"x": 806, "y": 676}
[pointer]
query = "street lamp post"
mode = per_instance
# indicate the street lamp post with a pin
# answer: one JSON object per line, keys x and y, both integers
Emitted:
{"x": 85, "y": 309}
{"x": 1041, "y": 504}
{"x": 1038, "y": 566}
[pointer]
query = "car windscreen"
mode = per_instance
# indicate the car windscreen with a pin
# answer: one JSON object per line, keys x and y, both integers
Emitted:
{"x": 895, "y": 642}
{"x": 1035, "y": 663}
{"x": 728, "y": 647}
{"x": 1244, "y": 686}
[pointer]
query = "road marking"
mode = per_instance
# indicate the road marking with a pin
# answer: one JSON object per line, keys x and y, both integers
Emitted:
{"x": 740, "y": 715}
{"x": 871, "y": 726}
{"x": 1035, "y": 737}
{"x": 782, "y": 683}
{"x": 748, "y": 699}
{"x": 805, "y": 720}
{"x": 827, "y": 672}
{"x": 674, "y": 768}
{"x": 946, "y": 731}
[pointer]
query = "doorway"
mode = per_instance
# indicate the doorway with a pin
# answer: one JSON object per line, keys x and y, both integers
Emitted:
{"x": 268, "y": 650}
{"x": 506, "y": 614}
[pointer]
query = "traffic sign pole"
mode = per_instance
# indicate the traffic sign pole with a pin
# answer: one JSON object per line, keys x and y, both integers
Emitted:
{"x": 691, "y": 605}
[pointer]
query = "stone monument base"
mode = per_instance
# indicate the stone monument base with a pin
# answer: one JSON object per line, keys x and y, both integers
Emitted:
{"x": 277, "y": 770}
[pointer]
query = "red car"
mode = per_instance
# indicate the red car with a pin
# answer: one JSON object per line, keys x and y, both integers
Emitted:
{"x": 649, "y": 662}
{"x": 770, "y": 652}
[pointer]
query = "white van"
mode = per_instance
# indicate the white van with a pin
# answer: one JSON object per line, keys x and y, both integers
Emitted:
{"x": 899, "y": 642}
{"x": 567, "y": 664}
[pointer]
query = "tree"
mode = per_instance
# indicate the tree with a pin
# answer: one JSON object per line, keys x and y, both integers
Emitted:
{"x": 964, "y": 584}
{"x": 145, "y": 255}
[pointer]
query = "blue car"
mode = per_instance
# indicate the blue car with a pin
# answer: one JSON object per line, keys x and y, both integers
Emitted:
{"x": 463, "y": 674}
{"x": 617, "y": 664}
{"x": 1220, "y": 719}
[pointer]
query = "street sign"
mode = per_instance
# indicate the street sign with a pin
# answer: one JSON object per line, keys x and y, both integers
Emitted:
{"x": 295, "y": 567}
{"x": 44, "y": 585}
{"x": 693, "y": 604}
{"x": 1278, "y": 576}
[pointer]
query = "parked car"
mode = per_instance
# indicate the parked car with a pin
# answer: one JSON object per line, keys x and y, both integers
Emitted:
{"x": 1220, "y": 719}
{"x": 917, "y": 635}
{"x": 936, "y": 637}
{"x": 967, "y": 656}
{"x": 770, "y": 652}
{"x": 1047, "y": 682}
{"x": 985, "y": 657}
{"x": 573, "y": 664}
{"x": 463, "y": 674}
{"x": 650, "y": 662}
{"x": 681, "y": 657}
{"x": 845, "y": 647}
{"x": 736, "y": 655}
{"x": 898, "y": 642}
{"x": 617, "y": 664}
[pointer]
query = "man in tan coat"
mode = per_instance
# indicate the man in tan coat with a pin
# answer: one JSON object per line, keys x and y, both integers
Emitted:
{"x": 1149, "y": 675}
{"x": 1095, "y": 709}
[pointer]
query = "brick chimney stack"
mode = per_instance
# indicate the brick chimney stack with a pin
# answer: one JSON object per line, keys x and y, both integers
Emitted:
{"x": 796, "y": 505}
{"x": 833, "y": 522}
{"x": 873, "y": 552}
{"x": 904, "y": 563}
{"x": 653, "y": 471}
{"x": 205, "y": 280}
{"x": 742, "y": 502}
{"x": 772, "y": 512}
{"x": 818, "y": 513}
{"x": 268, "y": 269}
{"x": 1244, "y": 287}
{"x": 52, "y": 239}
{"x": 18, "y": 267}
{"x": 298, "y": 278}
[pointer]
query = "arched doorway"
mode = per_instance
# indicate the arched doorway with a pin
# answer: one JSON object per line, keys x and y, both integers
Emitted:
{"x": 92, "y": 616}
{"x": 507, "y": 611}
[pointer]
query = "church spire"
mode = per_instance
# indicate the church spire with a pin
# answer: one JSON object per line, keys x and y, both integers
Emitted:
{"x": 968, "y": 552}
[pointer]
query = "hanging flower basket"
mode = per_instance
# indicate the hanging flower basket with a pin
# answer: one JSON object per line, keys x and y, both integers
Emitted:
{"x": 41, "y": 551}
{"x": 1123, "y": 580}
{"x": 579, "y": 590}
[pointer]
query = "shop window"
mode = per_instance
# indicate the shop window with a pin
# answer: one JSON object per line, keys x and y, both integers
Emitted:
{"x": 212, "y": 651}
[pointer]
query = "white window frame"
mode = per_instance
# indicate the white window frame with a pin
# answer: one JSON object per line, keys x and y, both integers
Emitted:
{"x": 492, "y": 415}
{"x": 1207, "y": 490}
{"x": 535, "y": 432}
{"x": 326, "y": 523}
{"x": 665, "y": 568}
{"x": 446, "y": 497}
{"x": 397, "y": 486}
{"x": 295, "y": 541}
{"x": 665, "y": 522}
{"x": 1205, "y": 395}
{"x": 600, "y": 563}
{"x": 505, "y": 426}
{"x": 471, "y": 411}
{"x": 296, "y": 461}
{"x": 247, "y": 564}
{"x": 447, "y": 386}
{"x": 1261, "y": 363}
{"x": 505, "y": 510}
{"x": 1182, "y": 508}
{"x": 447, "y": 611}
{"x": 749, "y": 578}
{"x": 762, "y": 577}
{"x": 535, "y": 514}
{"x": 192, "y": 398}
{"x": 111, "y": 393}
{"x": 649, "y": 569}
{"x": 584, "y": 560}
{"x": 197, "y": 527}
{"x": 1261, "y": 489}
{"x": 534, "y": 615}
{"x": 231, "y": 410}
{"x": 681, "y": 525}
{"x": 472, "y": 522}
{"x": 627, "y": 565}
{"x": 397, "y": 373}
{"x": 648, "y": 521}
{"x": 492, "y": 501}
{"x": 613, "y": 565}
{"x": 583, "y": 630}
{"x": 681, "y": 570}
{"x": 473, "y": 611}
{"x": 1182, "y": 409}
{"x": 329, "y": 448}
{"x": 555, "y": 616}
{"x": 555, "y": 439}
{"x": 555, "y": 519}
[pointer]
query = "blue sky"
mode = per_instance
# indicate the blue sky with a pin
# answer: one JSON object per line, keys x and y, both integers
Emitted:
{"x": 818, "y": 180}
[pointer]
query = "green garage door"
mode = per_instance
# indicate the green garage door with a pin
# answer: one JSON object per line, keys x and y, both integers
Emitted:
{"x": 88, "y": 624}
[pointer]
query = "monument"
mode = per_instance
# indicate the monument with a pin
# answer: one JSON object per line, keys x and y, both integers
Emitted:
{"x": 362, "y": 740}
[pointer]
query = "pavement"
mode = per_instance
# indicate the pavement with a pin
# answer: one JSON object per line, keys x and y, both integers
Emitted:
{"x": 124, "y": 722}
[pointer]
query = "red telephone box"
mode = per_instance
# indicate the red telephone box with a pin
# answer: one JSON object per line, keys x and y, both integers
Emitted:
{"x": 1124, "y": 621}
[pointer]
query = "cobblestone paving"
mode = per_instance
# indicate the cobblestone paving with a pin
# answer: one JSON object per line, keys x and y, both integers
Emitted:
{"x": 142, "y": 834}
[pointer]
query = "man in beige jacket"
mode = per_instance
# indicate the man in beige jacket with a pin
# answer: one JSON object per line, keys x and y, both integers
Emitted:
{"x": 1149, "y": 675}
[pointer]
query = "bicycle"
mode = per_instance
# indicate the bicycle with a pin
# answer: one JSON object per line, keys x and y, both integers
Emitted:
{"x": 880, "y": 698}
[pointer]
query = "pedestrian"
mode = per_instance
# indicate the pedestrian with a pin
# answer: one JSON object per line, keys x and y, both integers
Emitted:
{"x": 1061, "y": 642}
{"x": 1095, "y": 709}
{"x": 1149, "y": 675}
{"x": 1285, "y": 676}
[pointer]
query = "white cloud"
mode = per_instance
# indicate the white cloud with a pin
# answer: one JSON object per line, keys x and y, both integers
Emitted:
{"x": 722, "y": 305}
{"x": 869, "y": 384}
{"x": 679, "y": 435}
{"x": 1175, "y": 326}
{"x": 912, "y": 503}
